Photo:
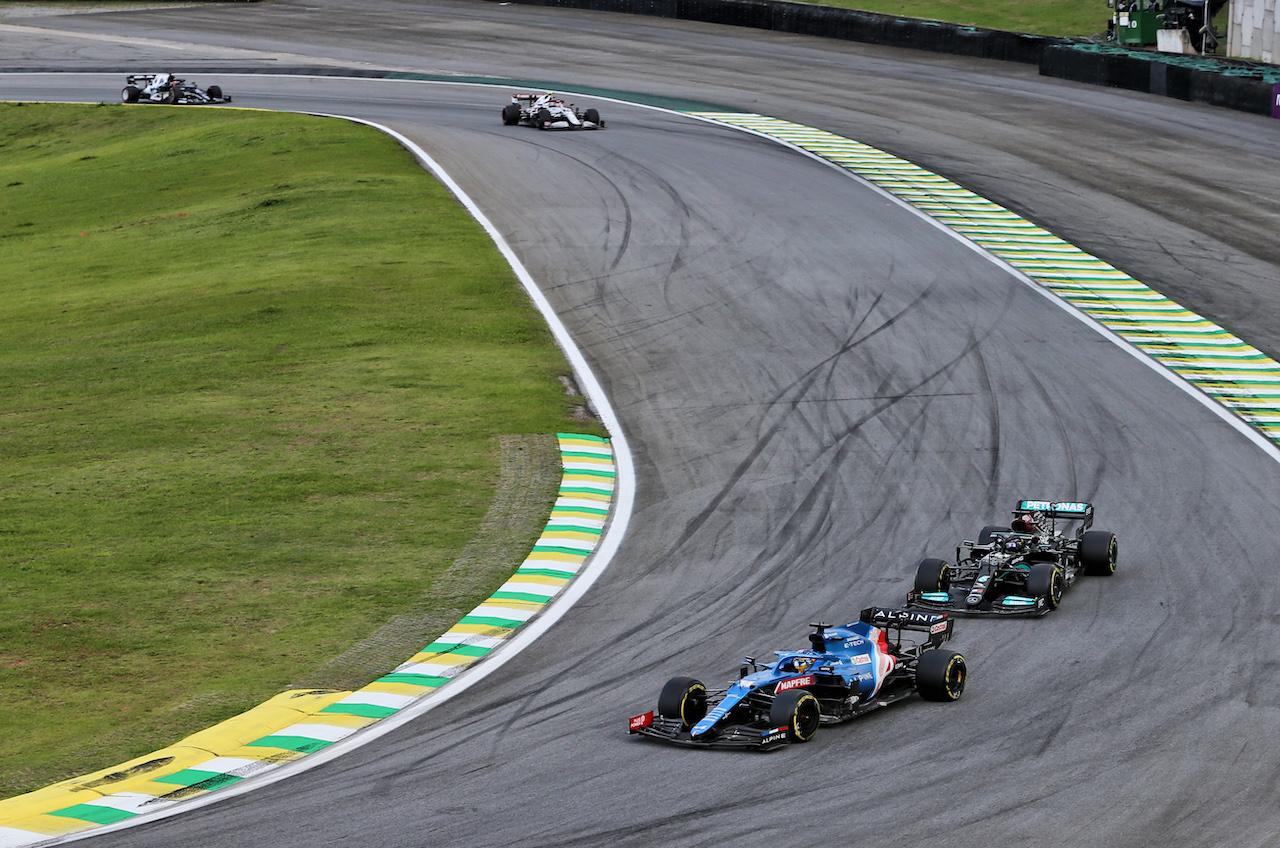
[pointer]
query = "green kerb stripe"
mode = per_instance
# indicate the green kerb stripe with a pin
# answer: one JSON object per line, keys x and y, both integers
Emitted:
{"x": 430, "y": 681}
{"x": 521, "y": 596}
{"x": 366, "y": 710}
{"x": 301, "y": 744}
{"x": 94, "y": 813}
{"x": 488, "y": 621}
{"x": 451, "y": 648}
{"x": 546, "y": 572}
{"x": 209, "y": 780}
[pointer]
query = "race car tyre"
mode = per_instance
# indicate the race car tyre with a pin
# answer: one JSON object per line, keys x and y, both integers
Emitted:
{"x": 798, "y": 711}
{"x": 683, "y": 698}
{"x": 1044, "y": 580}
{"x": 941, "y": 675}
{"x": 510, "y": 115}
{"x": 933, "y": 575}
{"x": 1098, "y": 551}
{"x": 541, "y": 119}
{"x": 984, "y": 538}
{"x": 592, "y": 115}
{"x": 130, "y": 94}
{"x": 171, "y": 96}
{"x": 214, "y": 92}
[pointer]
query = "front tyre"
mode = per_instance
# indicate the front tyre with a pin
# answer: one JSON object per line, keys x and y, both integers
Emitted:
{"x": 933, "y": 575}
{"x": 796, "y": 710}
{"x": 1044, "y": 580}
{"x": 214, "y": 92}
{"x": 683, "y": 698}
{"x": 941, "y": 675}
{"x": 542, "y": 118}
{"x": 1098, "y": 552}
{"x": 593, "y": 116}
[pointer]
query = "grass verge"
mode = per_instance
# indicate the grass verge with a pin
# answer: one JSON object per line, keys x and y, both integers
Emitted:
{"x": 255, "y": 368}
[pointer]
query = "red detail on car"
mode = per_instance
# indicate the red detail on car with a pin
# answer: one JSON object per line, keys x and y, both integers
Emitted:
{"x": 641, "y": 721}
{"x": 796, "y": 683}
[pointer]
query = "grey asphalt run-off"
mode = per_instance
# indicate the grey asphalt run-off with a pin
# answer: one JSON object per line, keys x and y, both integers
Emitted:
{"x": 819, "y": 390}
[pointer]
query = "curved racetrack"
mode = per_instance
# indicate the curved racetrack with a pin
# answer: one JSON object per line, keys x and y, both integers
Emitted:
{"x": 820, "y": 389}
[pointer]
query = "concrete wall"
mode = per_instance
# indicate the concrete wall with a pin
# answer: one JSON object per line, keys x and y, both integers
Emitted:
{"x": 1254, "y": 30}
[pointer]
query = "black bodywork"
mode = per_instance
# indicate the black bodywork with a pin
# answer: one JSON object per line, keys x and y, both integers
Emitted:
{"x": 1022, "y": 568}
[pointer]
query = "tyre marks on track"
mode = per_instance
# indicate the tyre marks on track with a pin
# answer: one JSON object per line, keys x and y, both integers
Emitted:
{"x": 299, "y": 722}
{"x": 1218, "y": 364}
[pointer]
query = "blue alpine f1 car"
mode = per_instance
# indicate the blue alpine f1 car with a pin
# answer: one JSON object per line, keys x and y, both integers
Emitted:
{"x": 847, "y": 671}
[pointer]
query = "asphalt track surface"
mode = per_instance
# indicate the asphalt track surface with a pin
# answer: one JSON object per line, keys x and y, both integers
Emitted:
{"x": 820, "y": 389}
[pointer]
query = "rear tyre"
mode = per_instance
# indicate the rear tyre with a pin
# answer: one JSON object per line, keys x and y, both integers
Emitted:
{"x": 1044, "y": 580}
{"x": 542, "y": 118}
{"x": 984, "y": 538}
{"x": 941, "y": 675}
{"x": 683, "y": 698}
{"x": 214, "y": 92}
{"x": 592, "y": 115}
{"x": 1098, "y": 552}
{"x": 510, "y": 115}
{"x": 933, "y": 575}
{"x": 798, "y": 711}
{"x": 130, "y": 94}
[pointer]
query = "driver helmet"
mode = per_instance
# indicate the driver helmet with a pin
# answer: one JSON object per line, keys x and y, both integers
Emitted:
{"x": 800, "y": 664}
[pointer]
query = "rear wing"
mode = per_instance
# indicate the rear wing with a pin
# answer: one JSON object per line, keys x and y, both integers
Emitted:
{"x": 937, "y": 624}
{"x": 1077, "y": 510}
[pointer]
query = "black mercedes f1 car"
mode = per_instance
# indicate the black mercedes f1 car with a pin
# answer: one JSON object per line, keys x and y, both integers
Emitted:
{"x": 1021, "y": 568}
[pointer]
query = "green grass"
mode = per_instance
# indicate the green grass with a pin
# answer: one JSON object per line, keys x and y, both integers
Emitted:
{"x": 1061, "y": 18}
{"x": 252, "y": 371}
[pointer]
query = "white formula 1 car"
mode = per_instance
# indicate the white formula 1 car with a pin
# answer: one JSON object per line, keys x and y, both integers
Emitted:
{"x": 166, "y": 88}
{"x": 548, "y": 112}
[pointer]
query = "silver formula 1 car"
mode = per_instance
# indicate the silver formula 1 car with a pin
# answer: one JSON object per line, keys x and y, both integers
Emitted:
{"x": 1021, "y": 568}
{"x": 846, "y": 672}
{"x": 166, "y": 88}
{"x": 549, "y": 112}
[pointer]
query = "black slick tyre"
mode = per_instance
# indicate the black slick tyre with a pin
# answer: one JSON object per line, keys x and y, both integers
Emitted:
{"x": 592, "y": 115}
{"x": 171, "y": 96}
{"x": 1098, "y": 552}
{"x": 797, "y": 710}
{"x": 1045, "y": 581}
{"x": 683, "y": 698}
{"x": 510, "y": 115}
{"x": 941, "y": 675}
{"x": 984, "y": 538}
{"x": 130, "y": 94}
{"x": 933, "y": 575}
{"x": 542, "y": 118}
{"x": 214, "y": 92}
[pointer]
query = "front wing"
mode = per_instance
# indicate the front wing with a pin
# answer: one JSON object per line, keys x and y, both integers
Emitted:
{"x": 732, "y": 736}
{"x": 953, "y": 602}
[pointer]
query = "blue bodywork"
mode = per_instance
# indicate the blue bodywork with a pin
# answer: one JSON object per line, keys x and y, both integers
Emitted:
{"x": 847, "y": 671}
{"x": 848, "y": 653}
